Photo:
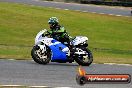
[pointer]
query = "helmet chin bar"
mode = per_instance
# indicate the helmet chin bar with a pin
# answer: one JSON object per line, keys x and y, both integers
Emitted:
{"x": 52, "y": 26}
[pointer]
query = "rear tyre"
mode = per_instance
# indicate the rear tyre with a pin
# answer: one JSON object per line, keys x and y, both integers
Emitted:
{"x": 84, "y": 60}
{"x": 41, "y": 58}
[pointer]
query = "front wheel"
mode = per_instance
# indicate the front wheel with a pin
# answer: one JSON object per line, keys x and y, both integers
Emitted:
{"x": 84, "y": 59}
{"x": 39, "y": 57}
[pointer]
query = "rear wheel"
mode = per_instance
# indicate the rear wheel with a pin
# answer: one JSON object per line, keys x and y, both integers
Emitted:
{"x": 86, "y": 59}
{"x": 39, "y": 57}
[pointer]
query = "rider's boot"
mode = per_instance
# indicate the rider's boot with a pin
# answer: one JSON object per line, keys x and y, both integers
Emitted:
{"x": 71, "y": 58}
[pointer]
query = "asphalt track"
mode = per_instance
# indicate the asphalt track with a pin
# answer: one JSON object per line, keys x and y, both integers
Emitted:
{"x": 118, "y": 11}
{"x": 29, "y": 73}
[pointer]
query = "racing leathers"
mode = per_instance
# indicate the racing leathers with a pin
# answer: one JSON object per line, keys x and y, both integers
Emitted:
{"x": 59, "y": 33}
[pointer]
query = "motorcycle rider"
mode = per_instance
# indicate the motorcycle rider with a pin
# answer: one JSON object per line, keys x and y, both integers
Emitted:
{"x": 58, "y": 32}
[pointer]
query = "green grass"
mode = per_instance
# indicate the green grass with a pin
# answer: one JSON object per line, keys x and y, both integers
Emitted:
{"x": 110, "y": 37}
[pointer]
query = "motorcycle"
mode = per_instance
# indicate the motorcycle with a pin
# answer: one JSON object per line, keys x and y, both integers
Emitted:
{"x": 48, "y": 49}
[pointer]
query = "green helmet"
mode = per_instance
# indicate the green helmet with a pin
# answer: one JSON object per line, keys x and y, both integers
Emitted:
{"x": 53, "y": 20}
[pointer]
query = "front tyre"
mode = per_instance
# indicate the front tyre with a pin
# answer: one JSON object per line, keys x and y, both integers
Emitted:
{"x": 84, "y": 60}
{"x": 39, "y": 57}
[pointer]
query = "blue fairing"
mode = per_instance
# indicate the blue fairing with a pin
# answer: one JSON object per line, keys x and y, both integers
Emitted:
{"x": 57, "y": 53}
